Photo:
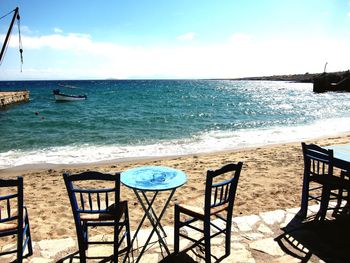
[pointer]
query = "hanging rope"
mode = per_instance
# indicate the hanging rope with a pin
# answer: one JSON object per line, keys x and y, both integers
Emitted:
{"x": 20, "y": 45}
{"x": 7, "y": 14}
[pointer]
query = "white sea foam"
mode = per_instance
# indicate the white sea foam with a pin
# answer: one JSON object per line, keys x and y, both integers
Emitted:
{"x": 201, "y": 143}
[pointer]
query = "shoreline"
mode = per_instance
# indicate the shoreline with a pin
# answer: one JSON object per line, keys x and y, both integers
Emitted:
{"x": 36, "y": 167}
{"x": 271, "y": 179}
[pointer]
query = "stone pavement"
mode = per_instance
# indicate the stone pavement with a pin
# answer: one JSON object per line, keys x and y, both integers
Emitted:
{"x": 275, "y": 236}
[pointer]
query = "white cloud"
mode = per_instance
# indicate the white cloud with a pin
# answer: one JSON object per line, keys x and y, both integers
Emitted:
{"x": 26, "y": 29}
{"x": 349, "y": 14}
{"x": 240, "y": 38}
{"x": 70, "y": 41}
{"x": 187, "y": 37}
{"x": 59, "y": 56}
{"x": 57, "y": 30}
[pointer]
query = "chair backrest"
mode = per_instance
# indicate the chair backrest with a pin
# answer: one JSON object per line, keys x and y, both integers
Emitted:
{"x": 317, "y": 160}
{"x": 85, "y": 198}
{"x": 222, "y": 193}
{"x": 11, "y": 202}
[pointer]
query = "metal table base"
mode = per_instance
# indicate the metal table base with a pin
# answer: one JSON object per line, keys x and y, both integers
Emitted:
{"x": 154, "y": 219}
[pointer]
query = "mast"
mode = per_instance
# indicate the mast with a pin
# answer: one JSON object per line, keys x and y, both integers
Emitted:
{"x": 15, "y": 15}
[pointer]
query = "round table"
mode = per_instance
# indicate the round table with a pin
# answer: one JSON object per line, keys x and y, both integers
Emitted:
{"x": 152, "y": 179}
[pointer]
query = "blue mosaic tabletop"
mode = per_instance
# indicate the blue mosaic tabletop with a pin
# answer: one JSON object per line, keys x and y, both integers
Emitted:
{"x": 153, "y": 178}
{"x": 340, "y": 151}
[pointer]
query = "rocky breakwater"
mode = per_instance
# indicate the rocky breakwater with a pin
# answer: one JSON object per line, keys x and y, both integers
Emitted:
{"x": 11, "y": 97}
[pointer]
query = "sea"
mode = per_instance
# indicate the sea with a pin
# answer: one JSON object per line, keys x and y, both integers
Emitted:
{"x": 126, "y": 119}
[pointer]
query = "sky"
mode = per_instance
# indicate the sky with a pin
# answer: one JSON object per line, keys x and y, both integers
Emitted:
{"x": 177, "y": 39}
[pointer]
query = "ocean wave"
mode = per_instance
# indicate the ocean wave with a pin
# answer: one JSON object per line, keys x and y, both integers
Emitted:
{"x": 200, "y": 143}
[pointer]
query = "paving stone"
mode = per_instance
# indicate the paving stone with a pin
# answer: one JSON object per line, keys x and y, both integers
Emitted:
{"x": 219, "y": 240}
{"x": 273, "y": 217}
{"x": 239, "y": 254}
{"x": 249, "y": 235}
{"x": 49, "y": 248}
{"x": 264, "y": 229}
{"x": 289, "y": 217}
{"x": 246, "y": 223}
{"x": 8, "y": 247}
{"x": 293, "y": 210}
{"x": 40, "y": 260}
{"x": 100, "y": 250}
{"x": 253, "y": 236}
{"x": 9, "y": 257}
{"x": 268, "y": 246}
{"x": 314, "y": 208}
{"x": 101, "y": 238}
{"x": 149, "y": 257}
{"x": 237, "y": 246}
{"x": 236, "y": 237}
{"x": 286, "y": 259}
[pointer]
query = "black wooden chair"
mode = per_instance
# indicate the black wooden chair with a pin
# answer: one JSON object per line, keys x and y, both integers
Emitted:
{"x": 343, "y": 195}
{"x": 218, "y": 203}
{"x": 98, "y": 206}
{"x": 14, "y": 217}
{"x": 319, "y": 182}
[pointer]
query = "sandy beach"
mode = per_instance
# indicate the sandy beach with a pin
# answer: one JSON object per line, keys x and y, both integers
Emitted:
{"x": 271, "y": 179}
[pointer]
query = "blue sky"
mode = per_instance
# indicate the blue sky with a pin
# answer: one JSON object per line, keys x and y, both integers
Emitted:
{"x": 139, "y": 39}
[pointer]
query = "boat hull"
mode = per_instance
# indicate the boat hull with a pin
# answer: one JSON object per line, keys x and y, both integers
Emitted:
{"x": 60, "y": 97}
{"x": 65, "y": 97}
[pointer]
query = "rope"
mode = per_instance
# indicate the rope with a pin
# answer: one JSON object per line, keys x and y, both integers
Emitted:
{"x": 20, "y": 45}
{"x": 7, "y": 14}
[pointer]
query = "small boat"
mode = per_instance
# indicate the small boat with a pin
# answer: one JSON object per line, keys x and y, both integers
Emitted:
{"x": 65, "y": 97}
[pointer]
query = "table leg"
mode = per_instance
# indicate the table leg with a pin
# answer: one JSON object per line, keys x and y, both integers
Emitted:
{"x": 154, "y": 220}
{"x": 153, "y": 212}
{"x": 144, "y": 215}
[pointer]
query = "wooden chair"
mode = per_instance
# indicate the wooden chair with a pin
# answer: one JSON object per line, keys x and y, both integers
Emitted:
{"x": 318, "y": 170}
{"x": 14, "y": 217}
{"x": 218, "y": 203}
{"x": 98, "y": 206}
{"x": 343, "y": 195}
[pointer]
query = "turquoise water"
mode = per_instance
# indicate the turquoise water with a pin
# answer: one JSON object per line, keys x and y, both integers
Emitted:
{"x": 138, "y": 118}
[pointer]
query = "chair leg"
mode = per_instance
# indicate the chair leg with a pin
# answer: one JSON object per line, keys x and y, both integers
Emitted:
{"x": 228, "y": 236}
{"x": 339, "y": 201}
{"x": 177, "y": 230}
{"x": 30, "y": 247}
{"x": 86, "y": 235}
{"x": 304, "y": 197}
{"x": 81, "y": 244}
{"x": 116, "y": 241}
{"x": 207, "y": 240}
{"x": 20, "y": 244}
{"x": 324, "y": 202}
{"x": 128, "y": 238}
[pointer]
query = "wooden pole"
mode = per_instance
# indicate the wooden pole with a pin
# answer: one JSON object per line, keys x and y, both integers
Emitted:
{"x": 16, "y": 15}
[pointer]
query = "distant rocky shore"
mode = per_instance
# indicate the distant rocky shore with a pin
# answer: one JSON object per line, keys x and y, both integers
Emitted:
{"x": 307, "y": 77}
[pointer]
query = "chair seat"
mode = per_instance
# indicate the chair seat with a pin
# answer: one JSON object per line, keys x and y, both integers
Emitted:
{"x": 8, "y": 226}
{"x": 113, "y": 214}
{"x": 198, "y": 212}
{"x": 11, "y": 224}
{"x": 334, "y": 182}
